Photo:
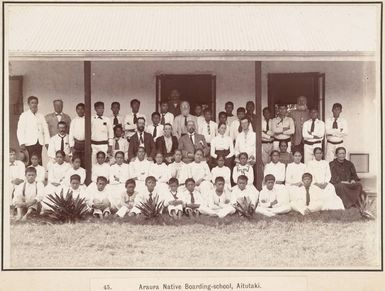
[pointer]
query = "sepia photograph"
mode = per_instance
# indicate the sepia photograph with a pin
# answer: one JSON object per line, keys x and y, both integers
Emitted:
{"x": 180, "y": 136}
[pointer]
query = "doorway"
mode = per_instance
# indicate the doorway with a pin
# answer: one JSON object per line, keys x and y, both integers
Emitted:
{"x": 285, "y": 88}
{"x": 194, "y": 88}
{"x": 15, "y": 108}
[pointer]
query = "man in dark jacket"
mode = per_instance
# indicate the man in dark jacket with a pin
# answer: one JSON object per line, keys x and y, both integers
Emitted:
{"x": 141, "y": 138}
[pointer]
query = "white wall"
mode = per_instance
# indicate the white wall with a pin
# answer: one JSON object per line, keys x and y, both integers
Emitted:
{"x": 350, "y": 83}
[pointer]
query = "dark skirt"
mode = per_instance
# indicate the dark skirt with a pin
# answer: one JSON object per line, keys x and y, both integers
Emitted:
{"x": 350, "y": 194}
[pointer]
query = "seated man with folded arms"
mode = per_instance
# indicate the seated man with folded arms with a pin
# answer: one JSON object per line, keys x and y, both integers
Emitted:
{"x": 243, "y": 190}
{"x": 28, "y": 195}
{"x": 173, "y": 199}
{"x": 273, "y": 200}
{"x": 219, "y": 199}
{"x": 146, "y": 194}
{"x": 194, "y": 203}
{"x": 127, "y": 199}
{"x": 308, "y": 198}
{"x": 283, "y": 128}
{"x": 98, "y": 198}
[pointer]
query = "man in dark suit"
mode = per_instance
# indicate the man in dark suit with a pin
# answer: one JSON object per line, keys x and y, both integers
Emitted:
{"x": 141, "y": 138}
{"x": 167, "y": 143}
{"x": 192, "y": 141}
{"x": 53, "y": 118}
{"x": 174, "y": 102}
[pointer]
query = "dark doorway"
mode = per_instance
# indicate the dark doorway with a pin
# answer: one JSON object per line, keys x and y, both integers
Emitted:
{"x": 284, "y": 88}
{"x": 15, "y": 108}
{"x": 196, "y": 89}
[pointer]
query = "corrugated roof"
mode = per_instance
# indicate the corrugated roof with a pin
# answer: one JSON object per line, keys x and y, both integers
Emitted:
{"x": 89, "y": 30}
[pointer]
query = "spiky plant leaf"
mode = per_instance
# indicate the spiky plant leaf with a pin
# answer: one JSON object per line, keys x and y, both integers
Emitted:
{"x": 66, "y": 209}
{"x": 151, "y": 208}
{"x": 245, "y": 207}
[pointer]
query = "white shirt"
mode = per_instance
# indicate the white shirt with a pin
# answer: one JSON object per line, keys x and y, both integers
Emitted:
{"x": 100, "y": 170}
{"x": 179, "y": 170}
{"x": 101, "y": 129}
{"x": 71, "y": 171}
{"x": 320, "y": 171}
{"x": 168, "y": 117}
{"x": 55, "y": 145}
{"x": 77, "y": 129}
{"x": 234, "y": 129}
{"x": 57, "y": 173}
{"x": 119, "y": 117}
{"x": 277, "y": 193}
{"x": 319, "y": 130}
{"x": 198, "y": 199}
{"x": 224, "y": 172}
{"x": 246, "y": 170}
{"x": 245, "y": 143}
{"x": 92, "y": 194}
{"x": 129, "y": 125}
{"x": 199, "y": 171}
{"x": 248, "y": 192}
{"x": 336, "y": 134}
{"x": 144, "y": 195}
{"x": 171, "y": 196}
{"x": 139, "y": 169}
{"x": 123, "y": 146}
{"x": 204, "y": 129}
{"x": 16, "y": 170}
{"x": 267, "y": 135}
{"x": 299, "y": 196}
{"x": 294, "y": 173}
{"x": 40, "y": 173}
{"x": 79, "y": 192}
{"x": 230, "y": 119}
{"x": 119, "y": 174}
{"x": 32, "y": 191}
{"x": 221, "y": 142}
{"x": 32, "y": 128}
{"x": 216, "y": 201}
{"x": 160, "y": 172}
{"x": 278, "y": 125}
{"x": 159, "y": 130}
{"x": 200, "y": 120}
{"x": 278, "y": 170}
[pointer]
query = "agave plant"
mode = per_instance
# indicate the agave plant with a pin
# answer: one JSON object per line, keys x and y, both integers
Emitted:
{"x": 151, "y": 208}
{"x": 66, "y": 209}
{"x": 245, "y": 208}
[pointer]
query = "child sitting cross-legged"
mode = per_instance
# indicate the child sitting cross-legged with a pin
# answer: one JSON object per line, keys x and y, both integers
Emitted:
{"x": 28, "y": 195}
{"x": 219, "y": 199}
{"x": 194, "y": 204}
{"x": 273, "y": 200}
{"x": 127, "y": 199}
{"x": 147, "y": 194}
{"x": 97, "y": 196}
{"x": 173, "y": 200}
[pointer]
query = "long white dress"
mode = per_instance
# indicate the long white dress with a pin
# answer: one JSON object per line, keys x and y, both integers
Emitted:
{"x": 294, "y": 174}
{"x": 201, "y": 171}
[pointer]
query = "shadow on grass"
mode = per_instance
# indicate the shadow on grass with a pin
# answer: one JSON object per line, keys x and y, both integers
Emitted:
{"x": 337, "y": 216}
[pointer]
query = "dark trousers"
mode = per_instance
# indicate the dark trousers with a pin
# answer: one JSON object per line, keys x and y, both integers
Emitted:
{"x": 79, "y": 152}
{"x": 34, "y": 149}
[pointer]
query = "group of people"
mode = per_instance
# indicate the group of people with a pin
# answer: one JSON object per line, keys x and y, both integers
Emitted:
{"x": 188, "y": 161}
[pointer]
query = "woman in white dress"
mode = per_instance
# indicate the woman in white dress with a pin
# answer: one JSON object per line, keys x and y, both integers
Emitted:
{"x": 221, "y": 171}
{"x": 276, "y": 168}
{"x": 200, "y": 172}
{"x": 179, "y": 170}
{"x": 161, "y": 172}
{"x": 139, "y": 168}
{"x": 294, "y": 172}
{"x": 119, "y": 174}
{"x": 222, "y": 145}
{"x": 320, "y": 170}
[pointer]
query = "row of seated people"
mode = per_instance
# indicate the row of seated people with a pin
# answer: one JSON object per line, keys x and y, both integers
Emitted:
{"x": 287, "y": 180}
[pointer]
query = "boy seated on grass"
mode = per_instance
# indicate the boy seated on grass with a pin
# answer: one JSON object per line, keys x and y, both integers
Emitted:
{"x": 98, "y": 198}
{"x": 161, "y": 172}
{"x": 28, "y": 195}
{"x": 194, "y": 204}
{"x": 308, "y": 198}
{"x": 147, "y": 194}
{"x": 16, "y": 171}
{"x": 173, "y": 200}
{"x": 127, "y": 199}
{"x": 56, "y": 174}
{"x": 77, "y": 189}
{"x": 272, "y": 200}
{"x": 40, "y": 170}
{"x": 243, "y": 191}
{"x": 219, "y": 199}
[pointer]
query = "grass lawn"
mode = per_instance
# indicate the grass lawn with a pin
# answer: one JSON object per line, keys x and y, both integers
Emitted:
{"x": 339, "y": 239}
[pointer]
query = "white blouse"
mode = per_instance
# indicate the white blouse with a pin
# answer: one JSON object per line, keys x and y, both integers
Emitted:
{"x": 294, "y": 173}
{"x": 221, "y": 142}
